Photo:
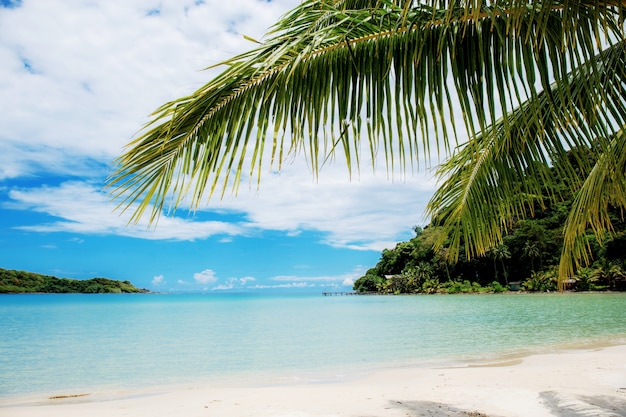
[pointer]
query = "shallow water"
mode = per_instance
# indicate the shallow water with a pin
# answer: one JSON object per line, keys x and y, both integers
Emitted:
{"x": 67, "y": 343}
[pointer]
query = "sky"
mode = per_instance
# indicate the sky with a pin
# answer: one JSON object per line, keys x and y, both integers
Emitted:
{"x": 78, "y": 81}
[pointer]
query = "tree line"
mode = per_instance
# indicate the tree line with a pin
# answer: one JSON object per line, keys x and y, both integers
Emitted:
{"x": 527, "y": 257}
{"x": 13, "y": 282}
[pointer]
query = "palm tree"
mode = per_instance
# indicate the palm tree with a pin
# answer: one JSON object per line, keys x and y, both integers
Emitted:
{"x": 532, "y": 251}
{"x": 500, "y": 253}
{"x": 607, "y": 272}
{"x": 418, "y": 274}
{"x": 518, "y": 82}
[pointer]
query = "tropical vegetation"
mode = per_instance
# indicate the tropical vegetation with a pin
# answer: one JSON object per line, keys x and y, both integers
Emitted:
{"x": 413, "y": 267}
{"x": 526, "y": 259}
{"x": 13, "y": 282}
{"x": 496, "y": 88}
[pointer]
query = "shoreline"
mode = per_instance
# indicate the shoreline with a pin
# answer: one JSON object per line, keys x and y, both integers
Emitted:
{"x": 588, "y": 380}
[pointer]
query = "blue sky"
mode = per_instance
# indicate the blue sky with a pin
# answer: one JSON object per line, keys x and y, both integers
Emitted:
{"x": 78, "y": 80}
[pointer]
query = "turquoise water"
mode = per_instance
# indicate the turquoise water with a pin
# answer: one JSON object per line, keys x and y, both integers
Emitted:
{"x": 61, "y": 343}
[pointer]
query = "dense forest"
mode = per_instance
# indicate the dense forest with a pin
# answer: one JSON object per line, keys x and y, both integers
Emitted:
{"x": 527, "y": 259}
{"x": 13, "y": 282}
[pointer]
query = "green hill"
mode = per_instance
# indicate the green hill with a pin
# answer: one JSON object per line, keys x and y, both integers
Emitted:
{"x": 14, "y": 282}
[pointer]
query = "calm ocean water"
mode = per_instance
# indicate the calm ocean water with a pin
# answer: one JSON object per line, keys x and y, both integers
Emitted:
{"x": 68, "y": 343}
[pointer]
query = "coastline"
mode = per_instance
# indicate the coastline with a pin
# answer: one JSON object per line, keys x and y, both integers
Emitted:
{"x": 568, "y": 382}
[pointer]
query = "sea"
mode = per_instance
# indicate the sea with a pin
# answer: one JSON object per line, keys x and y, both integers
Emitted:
{"x": 76, "y": 343}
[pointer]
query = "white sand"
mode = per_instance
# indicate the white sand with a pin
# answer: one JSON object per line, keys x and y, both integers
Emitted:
{"x": 590, "y": 382}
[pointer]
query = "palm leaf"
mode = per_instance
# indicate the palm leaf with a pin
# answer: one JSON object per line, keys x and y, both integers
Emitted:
{"x": 500, "y": 174}
{"x": 334, "y": 71}
{"x": 604, "y": 187}
{"x": 529, "y": 79}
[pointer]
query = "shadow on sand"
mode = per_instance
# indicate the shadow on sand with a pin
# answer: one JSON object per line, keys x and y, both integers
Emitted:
{"x": 434, "y": 409}
{"x": 559, "y": 405}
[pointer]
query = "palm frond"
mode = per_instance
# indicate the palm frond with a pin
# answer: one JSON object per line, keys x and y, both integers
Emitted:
{"x": 334, "y": 71}
{"x": 500, "y": 175}
{"x": 604, "y": 187}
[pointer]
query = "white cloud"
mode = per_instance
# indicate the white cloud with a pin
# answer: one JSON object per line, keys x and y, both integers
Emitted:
{"x": 20, "y": 159}
{"x": 371, "y": 212}
{"x": 84, "y": 209}
{"x": 82, "y": 77}
{"x": 205, "y": 277}
{"x": 246, "y": 280}
{"x": 232, "y": 283}
{"x": 158, "y": 280}
{"x": 342, "y": 280}
{"x": 223, "y": 287}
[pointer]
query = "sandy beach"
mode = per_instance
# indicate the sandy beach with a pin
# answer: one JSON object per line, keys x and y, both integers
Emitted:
{"x": 587, "y": 382}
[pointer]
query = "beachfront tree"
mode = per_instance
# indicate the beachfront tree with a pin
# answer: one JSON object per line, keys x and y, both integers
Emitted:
{"x": 417, "y": 275}
{"x": 491, "y": 86}
{"x": 607, "y": 273}
{"x": 500, "y": 253}
{"x": 531, "y": 250}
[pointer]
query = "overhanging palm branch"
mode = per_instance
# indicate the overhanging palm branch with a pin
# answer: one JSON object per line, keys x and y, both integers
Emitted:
{"x": 396, "y": 72}
{"x": 604, "y": 187}
{"x": 495, "y": 177}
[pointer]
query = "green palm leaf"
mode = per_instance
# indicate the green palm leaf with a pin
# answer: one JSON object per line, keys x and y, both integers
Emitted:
{"x": 604, "y": 187}
{"x": 495, "y": 177}
{"x": 391, "y": 76}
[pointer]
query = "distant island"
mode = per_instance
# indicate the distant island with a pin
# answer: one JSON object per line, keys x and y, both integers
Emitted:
{"x": 20, "y": 282}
